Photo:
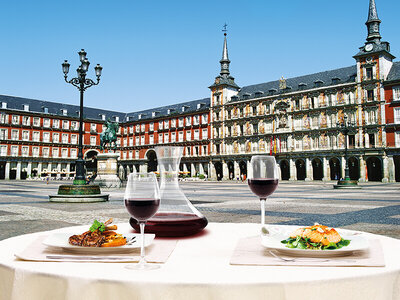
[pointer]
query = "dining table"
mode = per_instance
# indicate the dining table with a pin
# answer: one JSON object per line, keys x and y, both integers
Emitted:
{"x": 199, "y": 267}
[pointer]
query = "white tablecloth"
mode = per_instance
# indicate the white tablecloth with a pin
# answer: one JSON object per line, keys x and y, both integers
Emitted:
{"x": 197, "y": 269}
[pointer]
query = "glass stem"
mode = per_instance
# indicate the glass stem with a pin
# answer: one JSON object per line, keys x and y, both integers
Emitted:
{"x": 262, "y": 200}
{"x": 142, "y": 260}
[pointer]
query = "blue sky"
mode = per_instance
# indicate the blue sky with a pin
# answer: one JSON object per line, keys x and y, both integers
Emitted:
{"x": 157, "y": 53}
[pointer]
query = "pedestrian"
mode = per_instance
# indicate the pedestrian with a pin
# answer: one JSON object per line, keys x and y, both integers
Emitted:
{"x": 47, "y": 179}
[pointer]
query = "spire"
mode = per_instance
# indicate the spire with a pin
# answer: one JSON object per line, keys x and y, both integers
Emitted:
{"x": 373, "y": 23}
{"x": 225, "y": 60}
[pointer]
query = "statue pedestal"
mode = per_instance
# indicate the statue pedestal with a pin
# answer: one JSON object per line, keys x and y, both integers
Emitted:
{"x": 107, "y": 170}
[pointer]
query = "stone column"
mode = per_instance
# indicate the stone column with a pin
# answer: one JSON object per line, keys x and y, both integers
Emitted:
{"x": 385, "y": 178}
{"x": 212, "y": 172}
{"x": 192, "y": 170}
{"x": 326, "y": 170}
{"x": 391, "y": 170}
{"x": 68, "y": 169}
{"x": 18, "y": 176}
{"x": 49, "y": 168}
{"x": 279, "y": 171}
{"x": 7, "y": 171}
{"x": 201, "y": 169}
{"x": 343, "y": 162}
{"x": 249, "y": 168}
{"x": 236, "y": 170}
{"x": 39, "y": 169}
{"x": 29, "y": 170}
{"x": 309, "y": 171}
{"x": 293, "y": 171}
{"x": 225, "y": 171}
{"x": 143, "y": 168}
{"x": 363, "y": 177}
{"x": 185, "y": 169}
{"x": 58, "y": 170}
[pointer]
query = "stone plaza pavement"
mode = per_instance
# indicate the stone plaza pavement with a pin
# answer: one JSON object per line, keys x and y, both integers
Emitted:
{"x": 24, "y": 206}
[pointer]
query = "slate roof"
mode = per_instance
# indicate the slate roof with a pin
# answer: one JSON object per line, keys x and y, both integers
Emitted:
{"x": 394, "y": 73}
{"x": 325, "y": 79}
{"x": 190, "y": 106}
{"x": 55, "y": 109}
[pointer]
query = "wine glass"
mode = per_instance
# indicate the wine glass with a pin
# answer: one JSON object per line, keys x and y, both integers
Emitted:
{"x": 263, "y": 181}
{"x": 142, "y": 199}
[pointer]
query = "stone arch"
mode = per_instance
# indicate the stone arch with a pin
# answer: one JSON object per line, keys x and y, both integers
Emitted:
{"x": 151, "y": 160}
{"x": 219, "y": 170}
{"x": 243, "y": 169}
{"x": 396, "y": 160}
{"x": 318, "y": 171}
{"x": 285, "y": 169}
{"x": 335, "y": 166}
{"x": 374, "y": 169}
{"x": 90, "y": 157}
{"x": 300, "y": 169}
{"x": 231, "y": 170}
{"x": 354, "y": 168}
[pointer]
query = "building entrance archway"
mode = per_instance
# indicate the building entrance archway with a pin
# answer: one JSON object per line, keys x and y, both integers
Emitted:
{"x": 91, "y": 161}
{"x": 231, "y": 170}
{"x": 151, "y": 161}
{"x": 218, "y": 170}
{"x": 354, "y": 168}
{"x": 285, "y": 169}
{"x": 300, "y": 169}
{"x": 2, "y": 170}
{"x": 396, "y": 160}
{"x": 374, "y": 169}
{"x": 335, "y": 167}
{"x": 243, "y": 169}
{"x": 318, "y": 172}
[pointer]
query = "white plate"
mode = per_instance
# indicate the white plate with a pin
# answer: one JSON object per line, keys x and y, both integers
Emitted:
{"x": 273, "y": 242}
{"x": 60, "y": 240}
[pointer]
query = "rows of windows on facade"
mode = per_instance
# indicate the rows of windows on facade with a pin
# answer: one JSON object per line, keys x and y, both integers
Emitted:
{"x": 129, "y": 136}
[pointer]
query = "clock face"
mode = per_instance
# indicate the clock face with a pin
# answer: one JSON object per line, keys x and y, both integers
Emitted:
{"x": 369, "y": 47}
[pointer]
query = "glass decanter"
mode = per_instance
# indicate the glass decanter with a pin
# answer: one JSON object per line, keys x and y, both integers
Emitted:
{"x": 176, "y": 215}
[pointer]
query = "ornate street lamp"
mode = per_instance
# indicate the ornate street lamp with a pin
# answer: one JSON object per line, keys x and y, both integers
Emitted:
{"x": 82, "y": 83}
{"x": 345, "y": 127}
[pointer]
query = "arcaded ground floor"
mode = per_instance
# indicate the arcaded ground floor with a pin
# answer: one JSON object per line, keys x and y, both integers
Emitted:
{"x": 24, "y": 206}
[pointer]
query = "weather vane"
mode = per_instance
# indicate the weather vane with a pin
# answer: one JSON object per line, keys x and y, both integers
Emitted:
{"x": 224, "y": 30}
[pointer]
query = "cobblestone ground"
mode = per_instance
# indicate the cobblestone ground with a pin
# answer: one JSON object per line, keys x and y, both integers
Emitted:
{"x": 24, "y": 206}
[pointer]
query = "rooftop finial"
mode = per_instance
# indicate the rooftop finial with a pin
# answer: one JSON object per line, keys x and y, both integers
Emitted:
{"x": 225, "y": 60}
{"x": 373, "y": 23}
{"x": 225, "y": 30}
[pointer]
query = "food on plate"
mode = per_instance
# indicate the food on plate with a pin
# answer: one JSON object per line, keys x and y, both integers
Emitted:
{"x": 99, "y": 235}
{"x": 317, "y": 237}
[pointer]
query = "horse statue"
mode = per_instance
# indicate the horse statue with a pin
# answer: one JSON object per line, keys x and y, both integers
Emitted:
{"x": 109, "y": 135}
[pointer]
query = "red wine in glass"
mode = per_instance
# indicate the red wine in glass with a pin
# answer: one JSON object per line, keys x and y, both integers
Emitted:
{"x": 263, "y": 187}
{"x": 173, "y": 224}
{"x": 142, "y": 209}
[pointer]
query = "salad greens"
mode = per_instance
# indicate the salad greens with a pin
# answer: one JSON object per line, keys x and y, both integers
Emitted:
{"x": 305, "y": 243}
{"x": 97, "y": 225}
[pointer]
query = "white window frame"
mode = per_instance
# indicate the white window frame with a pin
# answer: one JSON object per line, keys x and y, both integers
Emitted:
{"x": 396, "y": 115}
{"x": 3, "y": 150}
{"x": 56, "y": 123}
{"x": 92, "y": 141}
{"x": 46, "y": 122}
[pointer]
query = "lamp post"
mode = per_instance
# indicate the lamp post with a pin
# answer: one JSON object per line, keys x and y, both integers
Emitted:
{"x": 344, "y": 127}
{"x": 82, "y": 83}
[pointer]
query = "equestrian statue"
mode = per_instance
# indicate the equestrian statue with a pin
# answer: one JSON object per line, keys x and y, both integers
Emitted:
{"x": 109, "y": 136}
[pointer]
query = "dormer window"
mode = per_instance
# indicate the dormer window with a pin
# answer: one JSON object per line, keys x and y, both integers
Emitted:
{"x": 272, "y": 91}
{"x": 46, "y": 110}
{"x": 302, "y": 86}
{"x": 26, "y": 107}
{"x": 64, "y": 112}
{"x": 140, "y": 116}
{"x": 153, "y": 114}
{"x": 258, "y": 93}
{"x": 318, "y": 83}
{"x": 200, "y": 105}
{"x": 335, "y": 80}
{"x": 116, "y": 119}
{"x": 103, "y": 117}
{"x": 4, "y": 105}
{"x": 234, "y": 98}
{"x": 246, "y": 96}
{"x": 184, "y": 108}
{"x": 127, "y": 119}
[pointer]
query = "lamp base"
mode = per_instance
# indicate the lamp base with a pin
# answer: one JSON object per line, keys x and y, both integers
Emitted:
{"x": 347, "y": 184}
